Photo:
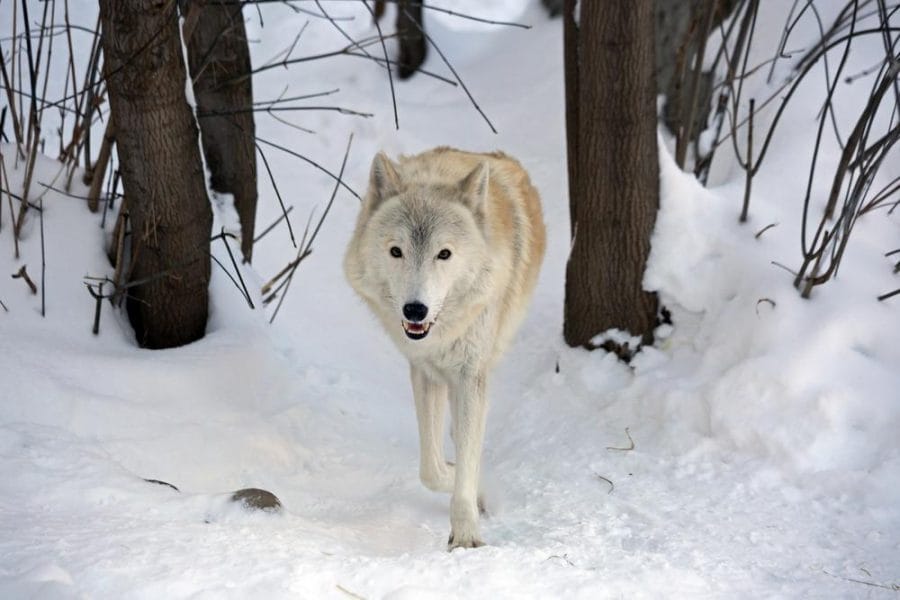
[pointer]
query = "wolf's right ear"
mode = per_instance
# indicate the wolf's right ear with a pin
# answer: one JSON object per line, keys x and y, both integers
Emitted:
{"x": 384, "y": 180}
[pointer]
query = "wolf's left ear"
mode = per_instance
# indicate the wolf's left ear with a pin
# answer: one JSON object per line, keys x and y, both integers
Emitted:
{"x": 474, "y": 187}
{"x": 384, "y": 180}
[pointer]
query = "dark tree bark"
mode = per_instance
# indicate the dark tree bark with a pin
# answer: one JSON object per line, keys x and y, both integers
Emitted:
{"x": 613, "y": 167}
{"x": 413, "y": 45}
{"x": 219, "y": 61}
{"x": 554, "y": 7}
{"x": 162, "y": 175}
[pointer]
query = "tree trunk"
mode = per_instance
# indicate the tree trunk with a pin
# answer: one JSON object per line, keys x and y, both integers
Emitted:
{"x": 219, "y": 61}
{"x": 613, "y": 167}
{"x": 162, "y": 175}
{"x": 413, "y": 46}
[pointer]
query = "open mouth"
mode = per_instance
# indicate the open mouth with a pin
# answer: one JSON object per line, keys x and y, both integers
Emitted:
{"x": 416, "y": 331}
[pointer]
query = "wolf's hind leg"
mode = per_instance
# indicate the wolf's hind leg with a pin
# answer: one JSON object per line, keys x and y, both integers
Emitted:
{"x": 431, "y": 402}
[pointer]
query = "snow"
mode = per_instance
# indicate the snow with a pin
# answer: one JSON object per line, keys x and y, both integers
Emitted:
{"x": 765, "y": 460}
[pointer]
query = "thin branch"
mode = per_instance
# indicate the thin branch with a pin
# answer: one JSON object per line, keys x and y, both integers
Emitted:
{"x": 384, "y": 50}
{"x": 612, "y": 486}
{"x": 311, "y": 162}
{"x": 272, "y": 109}
{"x": 630, "y": 446}
{"x": 765, "y": 229}
{"x": 22, "y": 274}
{"x": 888, "y": 295}
{"x": 421, "y": 3}
{"x": 241, "y": 287}
{"x": 450, "y": 66}
{"x": 275, "y": 224}
{"x": 284, "y": 212}
{"x": 307, "y": 248}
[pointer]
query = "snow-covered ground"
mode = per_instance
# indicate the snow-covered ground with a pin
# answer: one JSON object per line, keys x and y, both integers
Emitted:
{"x": 765, "y": 428}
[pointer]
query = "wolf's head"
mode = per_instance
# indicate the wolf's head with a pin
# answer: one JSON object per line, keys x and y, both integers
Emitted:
{"x": 420, "y": 247}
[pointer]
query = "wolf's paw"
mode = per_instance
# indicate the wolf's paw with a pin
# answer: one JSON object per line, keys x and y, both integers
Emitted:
{"x": 461, "y": 541}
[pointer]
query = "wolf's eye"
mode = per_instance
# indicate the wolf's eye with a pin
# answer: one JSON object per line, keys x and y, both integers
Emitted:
{"x": 444, "y": 254}
{"x": 396, "y": 252}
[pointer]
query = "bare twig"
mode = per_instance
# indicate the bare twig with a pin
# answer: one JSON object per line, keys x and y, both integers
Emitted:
{"x": 275, "y": 224}
{"x": 43, "y": 263}
{"x": 564, "y": 558}
{"x": 748, "y": 165}
{"x": 421, "y": 3}
{"x": 630, "y": 446}
{"x": 348, "y": 592}
{"x": 894, "y": 587}
{"x": 337, "y": 178}
{"x": 768, "y": 301}
{"x": 888, "y": 295}
{"x": 384, "y": 50}
{"x": 612, "y": 486}
{"x": 22, "y": 273}
{"x": 284, "y": 212}
{"x": 284, "y": 271}
{"x": 242, "y": 287}
{"x": 765, "y": 229}
{"x": 99, "y": 298}
{"x": 437, "y": 49}
{"x": 305, "y": 249}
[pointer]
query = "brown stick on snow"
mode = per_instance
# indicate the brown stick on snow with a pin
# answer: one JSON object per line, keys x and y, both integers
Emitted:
{"x": 23, "y": 274}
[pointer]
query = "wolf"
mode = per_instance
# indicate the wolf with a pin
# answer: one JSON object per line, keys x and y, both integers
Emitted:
{"x": 446, "y": 252}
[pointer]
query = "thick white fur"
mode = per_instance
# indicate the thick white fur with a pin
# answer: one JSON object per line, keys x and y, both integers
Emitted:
{"x": 484, "y": 210}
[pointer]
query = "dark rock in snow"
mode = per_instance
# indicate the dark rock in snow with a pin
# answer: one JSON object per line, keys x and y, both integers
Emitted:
{"x": 257, "y": 499}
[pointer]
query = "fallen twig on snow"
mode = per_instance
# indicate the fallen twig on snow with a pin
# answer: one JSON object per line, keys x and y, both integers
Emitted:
{"x": 888, "y": 295}
{"x": 348, "y": 592}
{"x": 612, "y": 486}
{"x": 564, "y": 557}
{"x": 889, "y": 586}
{"x": 23, "y": 274}
{"x": 630, "y": 443}
{"x": 98, "y": 296}
{"x": 769, "y": 301}
{"x": 765, "y": 229}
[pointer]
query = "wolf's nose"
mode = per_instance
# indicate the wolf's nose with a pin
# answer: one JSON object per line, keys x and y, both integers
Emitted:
{"x": 415, "y": 311}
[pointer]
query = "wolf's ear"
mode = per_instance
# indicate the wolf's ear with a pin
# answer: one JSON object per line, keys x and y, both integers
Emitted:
{"x": 384, "y": 181}
{"x": 474, "y": 187}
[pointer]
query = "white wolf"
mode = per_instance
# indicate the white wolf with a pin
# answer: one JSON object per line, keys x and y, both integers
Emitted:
{"x": 446, "y": 252}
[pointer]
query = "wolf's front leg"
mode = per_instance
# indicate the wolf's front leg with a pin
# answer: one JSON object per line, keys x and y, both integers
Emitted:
{"x": 470, "y": 404}
{"x": 431, "y": 401}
